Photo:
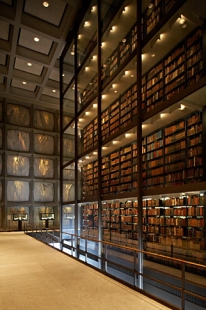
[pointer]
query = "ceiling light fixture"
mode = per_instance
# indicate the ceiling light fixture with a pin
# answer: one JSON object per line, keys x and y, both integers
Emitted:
{"x": 29, "y": 64}
{"x": 24, "y": 83}
{"x": 54, "y": 90}
{"x": 36, "y": 39}
{"x": 45, "y": 4}
{"x": 87, "y": 24}
{"x": 182, "y": 107}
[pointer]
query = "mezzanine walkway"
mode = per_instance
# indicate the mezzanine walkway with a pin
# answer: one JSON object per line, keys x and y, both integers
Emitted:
{"x": 36, "y": 277}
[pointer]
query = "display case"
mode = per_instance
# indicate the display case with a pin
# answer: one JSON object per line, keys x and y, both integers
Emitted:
{"x": 20, "y": 217}
{"x": 46, "y": 216}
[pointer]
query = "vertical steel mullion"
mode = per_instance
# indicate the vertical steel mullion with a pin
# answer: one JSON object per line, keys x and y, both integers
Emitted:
{"x": 105, "y": 258}
{"x": 85, "y": 250}
{"x": 183, "y": 286}
{"x": 139, "y": 142}
{"x": 76, "y": 143}
{"x": 99, "y": 90}
{"x": 135, "y": 269}
{"x": 61, "y": 147}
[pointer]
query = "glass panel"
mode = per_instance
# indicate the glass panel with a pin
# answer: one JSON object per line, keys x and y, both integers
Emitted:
{"x": 87, "y": 56}
{"x": 69, "y": 218}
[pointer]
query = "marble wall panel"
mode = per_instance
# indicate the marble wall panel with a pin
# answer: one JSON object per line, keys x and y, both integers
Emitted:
{"x": 43, "y": 168}
{"x": 17, "y": 191}
{"x": 44, "y": 144}
{"x": 43, "y": 191}
{"x": 18, "y": 115}
{"x": 18, "y": 140}
{"x": 43, "y": 120}
{"x": 18, "y": 165}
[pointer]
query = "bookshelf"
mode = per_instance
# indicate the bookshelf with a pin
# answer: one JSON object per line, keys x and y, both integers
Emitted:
{"x": 172, "y": 150}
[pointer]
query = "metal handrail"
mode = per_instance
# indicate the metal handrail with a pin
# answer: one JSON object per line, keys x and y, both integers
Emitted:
{"x": 183, "y": 291}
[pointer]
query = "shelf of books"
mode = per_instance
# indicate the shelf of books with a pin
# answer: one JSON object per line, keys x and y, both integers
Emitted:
{"x": 170, "y": 156}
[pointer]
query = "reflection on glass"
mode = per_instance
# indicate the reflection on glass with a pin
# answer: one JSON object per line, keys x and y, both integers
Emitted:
{"x": 68, "y": 218}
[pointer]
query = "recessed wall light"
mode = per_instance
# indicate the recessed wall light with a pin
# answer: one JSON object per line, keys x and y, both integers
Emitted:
{"x": 45, "y": 4}
{"x": 36, "y": 39}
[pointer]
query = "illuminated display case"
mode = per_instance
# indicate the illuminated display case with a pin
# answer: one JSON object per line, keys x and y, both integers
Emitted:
{"x": 46, "y": 216}
{"x": 20, "y": 217}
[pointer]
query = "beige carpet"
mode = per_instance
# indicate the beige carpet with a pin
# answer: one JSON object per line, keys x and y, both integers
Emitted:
{"x": 34, "y": 276}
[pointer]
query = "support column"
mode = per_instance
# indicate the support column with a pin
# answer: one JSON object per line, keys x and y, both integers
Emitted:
{"x": 139, "y": 142}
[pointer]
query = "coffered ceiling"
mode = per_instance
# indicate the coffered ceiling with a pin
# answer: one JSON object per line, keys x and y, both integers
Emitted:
{"x": 32, "y": 37}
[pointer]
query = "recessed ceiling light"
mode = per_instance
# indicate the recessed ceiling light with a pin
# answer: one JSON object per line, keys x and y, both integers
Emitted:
{"x": 87, "y": 24}
{"x": 54, "y": 90}
{"x": 24, "y": 83}
{"x": 29, "y": 64}
{"x": 150, "y": 5}
{"x": 36, "y": 39}
{"x": 45, "y": 4}
{"x": 153, "y": 55}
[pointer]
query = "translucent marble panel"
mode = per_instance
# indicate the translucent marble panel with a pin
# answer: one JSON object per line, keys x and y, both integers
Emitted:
{"x": 18, "y": 115}
{"x": 17, "y": 191}
{"x": 0, "y": 164}
{"x": 43, "y": 192}
{"x": 43, "y": 168}
{"x": 68, "y": 192}
{"x": 66, "y": 120}
{"x": 18, "y": 140}
{"x": 18, "y": 165}
{"x": 0, "y": 138}
{"x": 68, "y": 147}
{"x": 68, "y": 174}
{"x": 43, "y": 144}
{"x": 43, "y": 120}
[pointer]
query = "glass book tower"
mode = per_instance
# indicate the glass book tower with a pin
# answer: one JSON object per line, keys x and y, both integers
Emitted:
{"x": 133, "y": 142}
